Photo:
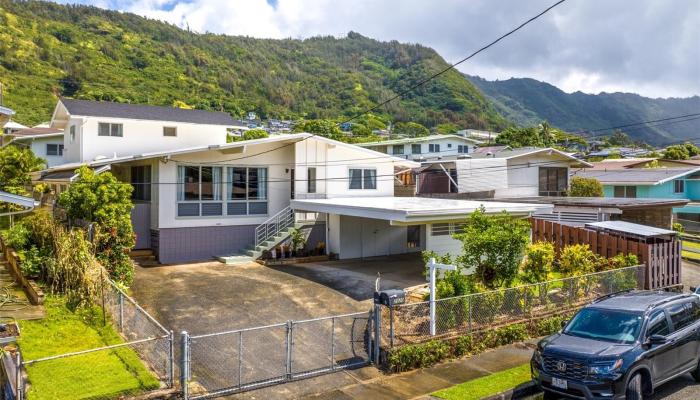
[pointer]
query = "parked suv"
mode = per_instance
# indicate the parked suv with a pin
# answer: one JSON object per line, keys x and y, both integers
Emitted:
{"x": 621, "y": 346}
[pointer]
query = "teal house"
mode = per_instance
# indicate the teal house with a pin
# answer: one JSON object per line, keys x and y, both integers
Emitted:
{"x": 655, "y": 183}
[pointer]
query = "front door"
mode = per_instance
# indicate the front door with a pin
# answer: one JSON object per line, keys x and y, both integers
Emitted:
{"x": 141, "y": 213}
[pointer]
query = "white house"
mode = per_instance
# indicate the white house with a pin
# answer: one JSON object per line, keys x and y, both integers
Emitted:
{"x": 199, "y": 202}
{"x": 96, "y": 130}
{"x": 433, "y": 147}
{"x": 526, "y": 172}
{"x": 46, "y": 143}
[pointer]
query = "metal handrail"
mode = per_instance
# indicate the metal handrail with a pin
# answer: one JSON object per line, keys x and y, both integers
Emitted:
{"x": 274, "y": 225}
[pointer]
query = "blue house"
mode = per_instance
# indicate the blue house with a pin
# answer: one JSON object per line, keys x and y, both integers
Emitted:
{"x": 657, "y": 183}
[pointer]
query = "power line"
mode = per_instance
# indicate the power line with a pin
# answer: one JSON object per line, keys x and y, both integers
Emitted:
{"x": 634, "y": 124}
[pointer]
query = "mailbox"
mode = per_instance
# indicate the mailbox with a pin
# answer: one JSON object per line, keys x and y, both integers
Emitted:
{"x": 390, "y": 297}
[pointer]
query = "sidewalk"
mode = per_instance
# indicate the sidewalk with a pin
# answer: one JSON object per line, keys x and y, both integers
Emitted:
{"x": 369, "y": 383}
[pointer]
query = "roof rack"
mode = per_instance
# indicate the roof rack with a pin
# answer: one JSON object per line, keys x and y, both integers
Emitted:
{"x": 609, "y": 295}
{"x": 669, "y": 299}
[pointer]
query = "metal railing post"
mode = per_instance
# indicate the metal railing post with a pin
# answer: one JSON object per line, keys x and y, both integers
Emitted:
{"x": 121, "y": 312}
{"x": 290, "y": 343}
{"x": 171, "y": 359}
{"x": 184, "y": 364}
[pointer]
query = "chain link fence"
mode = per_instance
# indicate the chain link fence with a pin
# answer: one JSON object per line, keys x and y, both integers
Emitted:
{"x": 462, "y": 315}
{"x": 143, "y": 362}
{"x": 227, "y": 362}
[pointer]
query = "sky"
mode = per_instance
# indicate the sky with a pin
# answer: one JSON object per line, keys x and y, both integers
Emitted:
{"x": 649, "y": 47}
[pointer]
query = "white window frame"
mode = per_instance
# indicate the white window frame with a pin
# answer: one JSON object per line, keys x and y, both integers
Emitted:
{"x": 676, "y": 182}
{"x": 112, "y": 125}
{"x": 200, "y": 201}
{"x": 71, "y": 133}
{"x": 397, "y": 150}
{"x": 311, "y": 184}
{"x": 362, "y": 180}
{"x": 447, "y": 228}
{"x": 247, "y": 201}
{"x": 59, "y": 149}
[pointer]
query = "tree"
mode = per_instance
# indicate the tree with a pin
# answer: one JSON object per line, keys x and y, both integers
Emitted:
{"x": 538, "y": 262}
{"x": 102, "y": 199}
{"x": 619, "y": 138}
{"x": 322, "y": 127}
{"x": 16, "y": 164}
{"x": 411, "y": 129}
{"x": 692, "y": 149}
{"x": 494, "y": 244}
{"x": 676, "y": 152}
{"x": 255, "y": 134}
{"x": 585, "y": 187}
{"x": 446, "y": 128}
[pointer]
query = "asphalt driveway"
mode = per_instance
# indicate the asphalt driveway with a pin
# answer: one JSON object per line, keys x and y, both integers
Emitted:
{"x": 355, "y": 278}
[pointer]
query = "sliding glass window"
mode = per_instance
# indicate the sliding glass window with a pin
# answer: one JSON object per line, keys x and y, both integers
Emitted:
{"x": 199, "y": 191}
{"x": 247, "y": 191}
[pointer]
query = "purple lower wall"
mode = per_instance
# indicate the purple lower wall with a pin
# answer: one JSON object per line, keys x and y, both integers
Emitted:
{"x": 178, "y": 245}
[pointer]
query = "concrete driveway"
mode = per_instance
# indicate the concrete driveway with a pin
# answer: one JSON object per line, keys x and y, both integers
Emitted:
{"x": 355, "y": 278}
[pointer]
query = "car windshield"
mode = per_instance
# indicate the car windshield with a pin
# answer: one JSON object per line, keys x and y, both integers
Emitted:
{"x": 607, "y": 325}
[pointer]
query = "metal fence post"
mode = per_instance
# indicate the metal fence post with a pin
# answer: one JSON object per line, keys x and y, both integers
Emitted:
{"x": 469, "y": 299}
{"x": 290, "y": 344}
{"x": 240, "y": 358}
{"x": 121, "y": 311}
{"x": 332, "y": 343}
{"x": 377, "y": 331}
{"x": 18, "y": 377}
{"x": 184, "y": 364}
{"x": 171, "y": 359}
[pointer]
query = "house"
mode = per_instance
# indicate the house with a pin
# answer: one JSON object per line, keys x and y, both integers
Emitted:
{"x": 423, "y": 148}
{"x": 5, "y": 115}
{"x": 485, "y": 136}
{"x": 96, "y": 130}
{"x": 659, "y": 183}
{"x": 46, "y": 143}
{"x": 525, "y": 172}
{"x": 12, "y": 127}
{"x": 240, "y": 198}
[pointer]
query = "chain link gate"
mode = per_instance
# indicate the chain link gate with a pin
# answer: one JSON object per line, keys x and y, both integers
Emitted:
{"x": 222, "y": 363}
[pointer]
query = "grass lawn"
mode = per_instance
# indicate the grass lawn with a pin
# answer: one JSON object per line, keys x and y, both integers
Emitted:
{"x": 103, "y": 374}
{"x": 487, "y": 385}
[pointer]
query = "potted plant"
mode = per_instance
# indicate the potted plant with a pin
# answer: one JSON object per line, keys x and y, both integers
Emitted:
{"x": 298, "y": 241}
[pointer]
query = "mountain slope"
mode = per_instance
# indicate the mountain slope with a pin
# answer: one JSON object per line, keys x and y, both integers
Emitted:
{"x": 527, "y": 101}
{"x": 48, "y": 49}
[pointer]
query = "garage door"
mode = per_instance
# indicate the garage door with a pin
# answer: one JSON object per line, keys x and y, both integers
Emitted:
{"x": 364, "y": 237}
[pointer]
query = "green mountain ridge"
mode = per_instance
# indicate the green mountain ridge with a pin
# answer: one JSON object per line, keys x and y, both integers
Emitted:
{"x": 47, "y": 50}
{"x": 527, "y": 101}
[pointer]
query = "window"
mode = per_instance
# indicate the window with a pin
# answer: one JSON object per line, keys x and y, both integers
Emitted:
{"x": 553, "y": 181}
{"x": 247, "y": 191}
{"x": 449, "y": 145}
{"x": 434, "y": 148}
{"x": 72, "y": 133}
{"x": 462, "y": 149}
{"x": 311, "y": 180}
{"x": 625, "y": 191}
{"x": 199, "y": 191}
{"x": 413, "y": 236}
{"x": 682, "y": 315}
{"x": 107, "y": 129}
{"x": 678, "y": 186}
{"x": 54, "y": 149}
{"x": 415, "y": 149}
{"x": 397, "y": 149}
{"x": 447, "y": 229}
{"x": 141, "y": 181}
{"x": 169, "y": 131}
{"x": 363, "y": 178}
{"x": 658, "y": 324}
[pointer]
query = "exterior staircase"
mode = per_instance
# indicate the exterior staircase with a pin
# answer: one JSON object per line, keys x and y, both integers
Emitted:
{"x": 267, "y": 235}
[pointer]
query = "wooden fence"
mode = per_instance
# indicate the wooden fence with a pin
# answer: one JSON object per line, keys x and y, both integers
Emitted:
{"x": 663, "y": 260}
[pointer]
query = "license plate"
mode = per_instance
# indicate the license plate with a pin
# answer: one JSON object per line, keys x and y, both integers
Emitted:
{"x": 560, "y": 383}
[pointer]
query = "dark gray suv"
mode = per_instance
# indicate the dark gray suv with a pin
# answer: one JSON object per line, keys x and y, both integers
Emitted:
{"x": 621, "y": 346}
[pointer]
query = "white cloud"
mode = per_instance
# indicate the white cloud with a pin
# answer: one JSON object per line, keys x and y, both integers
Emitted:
{"x": 646, "y": 46}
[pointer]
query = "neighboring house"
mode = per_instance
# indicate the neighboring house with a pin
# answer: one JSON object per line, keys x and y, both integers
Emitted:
{"x": 525, "y": 172}
{"x": 95, "y": 130}
{"x": 5, "y": 115}
{"x": 46, "y": 143}
{"x": 230, "y": 199}
{"x": 12, "y": 127}
{"x": 433, "y": 147}
{"x": 659, "y": 183}
{"x": 485, "y": 136}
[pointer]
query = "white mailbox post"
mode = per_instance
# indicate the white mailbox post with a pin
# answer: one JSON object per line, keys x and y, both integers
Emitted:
{"x": 432, "y": 272}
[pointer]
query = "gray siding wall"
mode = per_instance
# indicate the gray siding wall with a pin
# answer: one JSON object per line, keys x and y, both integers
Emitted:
{"x": 179, "y": 245}
{"x": 315, "y": 233}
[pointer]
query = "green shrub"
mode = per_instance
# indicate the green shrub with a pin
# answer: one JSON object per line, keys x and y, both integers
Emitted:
{"x": 506, "y": 335}
{"x": 578, "y": 259}
{"x": 418, "y": 355}
{"x": 585, "y": 187}
{"x": 18, "y": 237}
{"x": 539, "y": 257}
{"x": 33, "y": 261}
{"x": 548, "y": 326}
{"x": 678, "y": 227}
{"x": 462, "y": 346}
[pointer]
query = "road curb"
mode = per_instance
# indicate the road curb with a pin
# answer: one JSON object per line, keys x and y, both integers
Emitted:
{"x": 521, "y": 391}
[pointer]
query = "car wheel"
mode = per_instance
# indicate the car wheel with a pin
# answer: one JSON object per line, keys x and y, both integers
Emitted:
{"x": 696, "y": 373}
{"x": 634, "y": 388}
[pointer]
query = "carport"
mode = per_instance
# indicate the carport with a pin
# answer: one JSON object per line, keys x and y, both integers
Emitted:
{"x": 359, "y": 227}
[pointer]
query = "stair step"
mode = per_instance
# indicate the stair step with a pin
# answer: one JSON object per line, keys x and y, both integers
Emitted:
{"x": 235, "y": 259}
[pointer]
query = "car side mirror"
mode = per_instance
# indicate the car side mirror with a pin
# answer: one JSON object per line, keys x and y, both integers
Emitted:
{"x": 693, "y": 289}
{"x": 564, "y": 322}
{"x": 657, "y": 339}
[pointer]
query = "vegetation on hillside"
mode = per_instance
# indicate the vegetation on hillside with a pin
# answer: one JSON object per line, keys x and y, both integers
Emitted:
{"x": 47, "y": 50}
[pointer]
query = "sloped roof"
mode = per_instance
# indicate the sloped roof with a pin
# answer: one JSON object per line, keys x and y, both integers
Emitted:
{"x": 110, "y": 109}
{"x": 417, "y": 140}
{"x": 637, "y": 176}
{"x": 6, "y": 111}
{"x": 36, "y": 132}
